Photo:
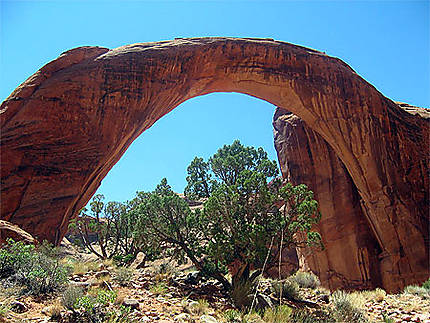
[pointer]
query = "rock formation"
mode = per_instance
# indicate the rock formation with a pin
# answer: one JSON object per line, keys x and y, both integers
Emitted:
{"x": 353, "y": 256}
{"x": 65, "y": 127}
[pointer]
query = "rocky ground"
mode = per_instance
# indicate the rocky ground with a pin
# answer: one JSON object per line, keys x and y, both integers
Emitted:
{"x": 163, "y": 293}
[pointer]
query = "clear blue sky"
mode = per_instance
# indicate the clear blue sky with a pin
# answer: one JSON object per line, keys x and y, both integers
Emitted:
{"x": 385, "y": 42}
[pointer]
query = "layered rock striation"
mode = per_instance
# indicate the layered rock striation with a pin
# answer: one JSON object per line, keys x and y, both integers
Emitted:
{"x": 65, "y": 127}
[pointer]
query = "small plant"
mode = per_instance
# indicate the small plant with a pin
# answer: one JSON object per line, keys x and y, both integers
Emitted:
{"x": 348, "y": 307}
{"x": 278, "y": 314}
{"x": 120, "y": 315}
{"x": 242, "y": 294}
{"x": 386, "y": 318}
{"x": 417, "y": 290}
{"x": 159, "y": 288}
{"x": 379, "y": 294}
{"x": 306, "y": 316}
{"x": 3, "y": 311}
{"x": 232, "y": 316}
{"x": 286, "y": 288}
{"x": 70, "y": 296}
{"x": 305, "y": 279}
{"x": 95, "y": 304}
{"x": 252, "y": 317}
{"x": 123, "y": 275}
{"x": 38, "y": 270}
{"x": 198, "y": 307}
{"x": 426, "y": 284}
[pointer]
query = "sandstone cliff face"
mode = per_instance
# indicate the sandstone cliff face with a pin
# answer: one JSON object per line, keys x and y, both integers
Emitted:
{"x": 353, "y": 254}
{"x": 65, "y": 127}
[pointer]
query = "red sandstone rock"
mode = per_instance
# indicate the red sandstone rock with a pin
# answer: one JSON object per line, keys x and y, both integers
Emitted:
{"x": 353, "y": 254}
{"x": 9, "y": 230}
{"x": 66, "y": 126}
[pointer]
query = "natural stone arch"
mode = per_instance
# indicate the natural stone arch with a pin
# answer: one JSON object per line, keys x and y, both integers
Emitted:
{"x": 66, "y": 126}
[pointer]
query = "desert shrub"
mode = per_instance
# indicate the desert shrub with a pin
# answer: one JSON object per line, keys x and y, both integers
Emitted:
{"x": 3, "y": 311}
{"x": 232, "y": 316}
{"x": 96, "y": 306}
{"x": 348, "y": 307}
{"x": 198, "y": 307}
{"x": 165, "y": 268}
{"x": 252, "y": 317}
{"x": 120, "y": 315}
{"x": 242, "y": 293}
{"x": 377, "y": 295}
{"x": 12, "y": 255}
{"x": 306, "y": 316}
{"x": 38, "y": 270}
{"x": 70, "y": 296}
{"x": 386, "y": 318}
{"x": 123, "y": 275}
{"x": 305, "y": 279}
{"x": 426, "y": 284}
{"x": 123, "y": 260}
{"x": 159, "y": 288}
{"x": 278, "y": 314}
{"x": 417, "y": 290}
{"x": 289, "y": 288}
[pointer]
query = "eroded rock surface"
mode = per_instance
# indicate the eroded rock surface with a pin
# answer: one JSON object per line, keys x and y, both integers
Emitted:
{"x": 65, "y": 127}
{"x": 355, "y": 251}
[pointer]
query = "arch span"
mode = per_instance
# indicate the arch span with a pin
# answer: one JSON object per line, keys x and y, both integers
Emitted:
{"x": 66, "y": 126}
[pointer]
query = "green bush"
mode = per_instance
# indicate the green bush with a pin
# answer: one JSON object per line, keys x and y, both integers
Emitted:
{"x": 306, "y": 316}
{"x": 278, "y": 314}
{"x": 290, "y": 289}
{"x": 348, "y": 307}
{"x": 70, "y": 296}
{"x": 123, "y": 275}
{"x": 232, "y": 316}
{"x": 426, "y": 284}
{"x": 242, "y": 294}
{"x": 305, "y": 279}
{"x": 123, "y": 260}
{"x": 38, "y": 270}
{"x": 95, "y": 306}
{"x": 417, "y": 290}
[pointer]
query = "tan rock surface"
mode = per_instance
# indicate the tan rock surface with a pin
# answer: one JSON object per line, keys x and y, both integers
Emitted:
{"x": 66, "y": 126}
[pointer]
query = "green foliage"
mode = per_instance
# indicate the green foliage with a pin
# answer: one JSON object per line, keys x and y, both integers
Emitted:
{"x": 306, "y": 316}
{"x": 417, "y": 290}
{"x": 95, "y": 306}
{"x": 286, "y": 288}
{"x": 278, "y": 314}
{"x": 239, "y": 219}
{"x": 348, "y": 307}
{"x": 123, "y": 260}
{"x": 305, "y": 279}
{"x": 71, "y": 295}
{"x": 232, "y": 316}
{"x": 159, "y": 288}
{"x": 39, "y": 270}
{"x": 386, "y": 318}
{"x": 426, "y": 284}
{"x": 242, "y": 294}
{"x": 120, "y": 315}
{"x": 123, "y": 275}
